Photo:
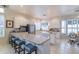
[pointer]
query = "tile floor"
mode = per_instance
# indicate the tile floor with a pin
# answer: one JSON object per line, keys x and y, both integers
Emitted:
{"x": 63, "y": 47}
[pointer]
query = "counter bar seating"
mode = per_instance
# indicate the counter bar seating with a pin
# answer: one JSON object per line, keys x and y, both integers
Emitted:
{"x": 22, "y": 46}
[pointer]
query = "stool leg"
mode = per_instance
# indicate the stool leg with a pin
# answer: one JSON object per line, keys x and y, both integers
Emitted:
{"x": 36, "y": 51}
{"x": 24, "y": 51}
{"x": 29, "y": 53}
{"x": 15, "y": 50}
{"x": 18, "y": 50}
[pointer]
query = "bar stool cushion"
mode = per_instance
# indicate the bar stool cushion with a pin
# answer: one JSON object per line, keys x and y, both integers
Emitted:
{"x": 18, "y": 42}
{"x": 29, "y": 47}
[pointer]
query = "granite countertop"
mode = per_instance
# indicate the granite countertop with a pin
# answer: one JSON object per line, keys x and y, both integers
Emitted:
{"x": 34, "y": 38}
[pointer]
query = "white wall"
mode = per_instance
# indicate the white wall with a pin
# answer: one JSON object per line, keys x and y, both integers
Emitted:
{"x": 54, "y": 23}
{"x": 20, "y": 20}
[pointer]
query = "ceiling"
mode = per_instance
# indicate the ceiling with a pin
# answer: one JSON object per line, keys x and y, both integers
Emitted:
{"x": 45, "y": 11}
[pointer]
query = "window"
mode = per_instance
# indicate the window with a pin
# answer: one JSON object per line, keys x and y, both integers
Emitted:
{"x": 37, "y": 26}
{"x": 63, "y": 26}
{"x": 69, "y": 23}
{"x": 63, "y": 23}
{"x": 69, "y": 26}
{"x": 41, "y": 26}
{"x": 63, "y": 31}
{"x": 44, "y": 26}
{"x": 2, "y": 26}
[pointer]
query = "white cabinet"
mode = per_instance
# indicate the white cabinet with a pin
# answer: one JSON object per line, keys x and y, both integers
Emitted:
{"x": 54, "y": 37}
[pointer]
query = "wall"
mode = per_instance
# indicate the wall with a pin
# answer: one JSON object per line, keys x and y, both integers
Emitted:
{"x": 19, "y": 19}
{"x": 54, "y": 23}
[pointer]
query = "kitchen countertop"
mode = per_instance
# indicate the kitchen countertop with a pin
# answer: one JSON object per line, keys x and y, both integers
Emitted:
{"x": 34, "y": 38}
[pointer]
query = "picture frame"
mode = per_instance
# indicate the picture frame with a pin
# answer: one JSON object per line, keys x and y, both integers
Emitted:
{"x": 9, "y": 23}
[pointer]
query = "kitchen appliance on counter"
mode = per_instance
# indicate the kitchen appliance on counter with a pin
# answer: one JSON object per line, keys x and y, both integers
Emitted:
{"x": 30, "y": 28}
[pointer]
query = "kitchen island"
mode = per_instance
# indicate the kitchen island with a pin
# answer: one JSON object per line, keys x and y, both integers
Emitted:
{"x": 40, "y": 41}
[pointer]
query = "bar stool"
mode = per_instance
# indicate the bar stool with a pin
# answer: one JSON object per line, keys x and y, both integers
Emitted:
{"x": 18, "y": 48}
{"x": 17, "y": 44}
{"x": 12, "y": 42}
{"x": 10, "y": 39}
{"x": 29, "y": 48}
